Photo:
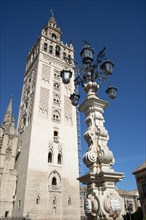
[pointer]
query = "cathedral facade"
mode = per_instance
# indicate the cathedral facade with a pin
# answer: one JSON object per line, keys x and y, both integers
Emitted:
{"x": 39, "y": 166}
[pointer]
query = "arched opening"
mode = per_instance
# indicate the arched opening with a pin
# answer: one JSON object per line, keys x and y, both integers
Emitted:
{"x": 57, "y": 74}
{"x": 56, "y": 99}
{"x": 54, "y": 36}
{"x": 56, "y": 116}
{"x": 19, "y": 205}
{"x": 50, "y": 157}
{"x": 57, "y": 51}
{"x": 59, "y": 159}
{"x": 6, "y": 214}
{"x": 64, "y": 56}
{"x": 56, "y": 138}
{"x": 38, "y": 200}
{"x": 45, "y": 47}
{"x": 54, "y": 200}
{"x": 69, "y": 59}
{"x": 24, "y": 120}
{"x": 54, "y": 181}
{"x": 69, "y": 201}
{"x": 50, "y": 49}
{"x": 54, "y": 210}
{"x": 56, "y": 86}
{"x": 55, "y": 133}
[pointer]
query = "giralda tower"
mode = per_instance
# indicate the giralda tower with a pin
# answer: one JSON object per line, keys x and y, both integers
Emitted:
{"x": 47, "y": 152}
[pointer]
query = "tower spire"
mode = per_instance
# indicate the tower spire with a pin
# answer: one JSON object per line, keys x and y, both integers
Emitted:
{"x": 52, "y": 24}
{"x": 8, "y": 113}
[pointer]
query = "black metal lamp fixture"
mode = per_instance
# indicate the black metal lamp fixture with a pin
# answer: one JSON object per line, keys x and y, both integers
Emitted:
{"x": 74, "y": 98}
{"x": 112, "y": 92}
{"x": 66, "y": 76}
{"x": 107, "y": 67}
{"x": 87, "y": 54}
{"x": 100, "y": 70}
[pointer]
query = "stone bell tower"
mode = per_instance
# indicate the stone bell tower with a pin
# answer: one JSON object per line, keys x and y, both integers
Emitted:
{"x": 47, "y": 152}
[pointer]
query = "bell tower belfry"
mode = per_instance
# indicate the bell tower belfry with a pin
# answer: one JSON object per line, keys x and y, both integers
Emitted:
{"x": 47, "y": 152}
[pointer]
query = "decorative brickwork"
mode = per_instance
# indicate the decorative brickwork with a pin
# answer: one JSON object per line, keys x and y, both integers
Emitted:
{"x": 27, "y": 98}
{"x": 60, "y": 149}
{"x": 46, "y": 73}
{"x": 67, "y": 110}
{"x": 44, "y": 100}
{"x": 50, "y": 147}
{"x": 68, "y": 89}
{"x": 30, "y": 107}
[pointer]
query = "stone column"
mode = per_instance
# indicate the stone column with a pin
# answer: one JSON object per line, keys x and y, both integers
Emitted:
{"x": 102, "y": 201}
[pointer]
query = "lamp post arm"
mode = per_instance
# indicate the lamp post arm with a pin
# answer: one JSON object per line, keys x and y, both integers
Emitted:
{"x": 89, "y": 71}
{"x": 101, "y": 55}
{"x": 70, "y": 59}
{"x": 78, "y": 81}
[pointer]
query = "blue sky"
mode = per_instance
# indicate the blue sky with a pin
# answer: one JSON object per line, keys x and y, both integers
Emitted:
{"x": 118, "y": 25}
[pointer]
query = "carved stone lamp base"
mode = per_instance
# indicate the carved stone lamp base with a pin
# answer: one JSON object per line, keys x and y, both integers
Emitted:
{"x": 102, "y": 200}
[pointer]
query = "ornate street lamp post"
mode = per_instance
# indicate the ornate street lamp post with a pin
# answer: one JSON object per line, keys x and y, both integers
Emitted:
{"x": 102, "y": 201}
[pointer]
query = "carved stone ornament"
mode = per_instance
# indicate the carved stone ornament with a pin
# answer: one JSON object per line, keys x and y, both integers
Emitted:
{"x": 113, "y": 205}
{"x": 106, "y": 156}
{"x": 91, "y": 88}
{"x": 91, "y": 205}
{"x": 90, "y": 158}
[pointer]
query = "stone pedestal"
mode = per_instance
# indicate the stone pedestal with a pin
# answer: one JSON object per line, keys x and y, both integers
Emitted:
{"x": 102, "y": 201}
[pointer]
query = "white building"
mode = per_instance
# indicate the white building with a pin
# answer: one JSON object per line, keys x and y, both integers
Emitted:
{"x": 140, "y": 176}
{"x": 46, "y": 161}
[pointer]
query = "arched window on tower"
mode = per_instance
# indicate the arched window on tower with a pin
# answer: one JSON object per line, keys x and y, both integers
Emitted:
{"x": 57, "y": 52}
{"x": 54, "y": 181}
{"x": 57, "y": 75}
{"x": 50, "y": 49}
{"x": 54, "y": 200}
{"x": 50, "y": 157}
{"x": 38, "y": 199}
{"x": 53, "y": 36}
{"x": 69, "y": 201}
{"x": 56, "y": 116}
{"x": 54, "y": 210}
{"x": 64, "y": 55}
{"x": 69, "y": 59}
{"x": 19, "y": 205}
{"x": 56, "y": 86}
{"x": 45, "y": 47}
{"x": 56, "y": 138}
{"x": 59, "y": 159}
{"x": 56, "y": 99}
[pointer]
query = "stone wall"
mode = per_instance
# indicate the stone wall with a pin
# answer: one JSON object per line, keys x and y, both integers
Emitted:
{"x": 15, "y": 218}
